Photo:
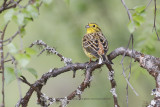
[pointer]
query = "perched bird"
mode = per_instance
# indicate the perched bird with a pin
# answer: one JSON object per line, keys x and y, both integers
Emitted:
{"x": 95, "y": 44}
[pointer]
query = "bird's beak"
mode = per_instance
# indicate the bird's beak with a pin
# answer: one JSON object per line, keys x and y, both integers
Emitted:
{"x": 87, "y": 26}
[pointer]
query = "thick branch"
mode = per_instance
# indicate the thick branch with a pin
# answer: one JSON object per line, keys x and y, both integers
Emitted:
{"x": 113, "y": 84}
{"x": 150, "y": 63}
{"x": 53, "y": 73}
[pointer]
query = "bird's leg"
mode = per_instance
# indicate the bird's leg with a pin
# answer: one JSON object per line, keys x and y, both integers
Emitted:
{"x": 90, "y": 60}
{"x": 89, "y": 63}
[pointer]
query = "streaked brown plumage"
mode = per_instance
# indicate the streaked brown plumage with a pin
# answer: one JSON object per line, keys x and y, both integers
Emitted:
{"x": 94, "y": 43}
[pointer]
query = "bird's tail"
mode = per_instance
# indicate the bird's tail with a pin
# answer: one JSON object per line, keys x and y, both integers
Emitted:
{"x": 104, "y": 58}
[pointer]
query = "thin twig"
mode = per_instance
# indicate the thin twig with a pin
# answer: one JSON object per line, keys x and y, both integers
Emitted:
{"x": 131, "y": 38}
{"x": 50, "y": 50}
{"x": 129, "y": 72}
{"x": 8, "y": 6}
{"x": 3, "y": 32}
{"x": 126, "y": 48}
{"x": 21, "y": 41}
{"x": 6, "y": 55}
{"x": 8, "y": 60}
{"x": 2, "y": 64}
{"x": 148, "y": 4}
{"x": 128, "y": 81}
{"x": 16, "y": 73}
{"x": 154, "y": 23}
{"x": 23, "y": 79}
{"x": 130, "y": 18}
{"x": 128, "y": 12}
{"x": 11, "y": 38}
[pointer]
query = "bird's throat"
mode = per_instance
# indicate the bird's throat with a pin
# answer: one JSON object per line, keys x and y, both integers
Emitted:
{"x": 91, "y": 30}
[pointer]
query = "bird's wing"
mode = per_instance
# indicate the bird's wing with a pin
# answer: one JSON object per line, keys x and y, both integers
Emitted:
{"x": 90, "y": 44}
{"x": 103, "y": 43}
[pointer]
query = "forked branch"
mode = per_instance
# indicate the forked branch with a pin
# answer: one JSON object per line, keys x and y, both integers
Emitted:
{"x": 150, "y": 63}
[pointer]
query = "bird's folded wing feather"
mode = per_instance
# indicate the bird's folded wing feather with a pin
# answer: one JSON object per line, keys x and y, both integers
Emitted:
{"x": 93, "y": 42}
{"x": 90, "y": 44}
{"x": 103, "y": 41}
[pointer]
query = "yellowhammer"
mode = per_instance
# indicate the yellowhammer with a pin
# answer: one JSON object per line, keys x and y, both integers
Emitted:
{"x": 94, "y": 43}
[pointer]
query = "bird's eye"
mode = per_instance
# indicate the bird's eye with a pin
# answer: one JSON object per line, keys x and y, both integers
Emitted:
{"x": 93, "y": 25}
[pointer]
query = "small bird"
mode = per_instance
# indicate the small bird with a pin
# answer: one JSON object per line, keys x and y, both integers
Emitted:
{"x": 94, "y": 43}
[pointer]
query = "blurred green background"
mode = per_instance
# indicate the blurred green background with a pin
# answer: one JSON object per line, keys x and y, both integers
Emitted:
{"x": 62, "y": 25}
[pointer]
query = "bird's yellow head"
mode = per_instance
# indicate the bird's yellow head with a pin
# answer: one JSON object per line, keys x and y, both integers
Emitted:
{"x": 92, "y": 28}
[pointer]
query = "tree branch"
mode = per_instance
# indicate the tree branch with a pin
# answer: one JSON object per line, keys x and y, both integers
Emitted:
{"x": 9, "y": 5}
{"x": 148, "y": 62}
{"x": 113, "y": 84}
{"x": 50, "y": 50}
{"x": 131, "y": 39}
{"x": 148, "y": 4}
{"x": 128, "y": 12}
{"x": 154, "y": 23}
{"x": 2, "y": 64}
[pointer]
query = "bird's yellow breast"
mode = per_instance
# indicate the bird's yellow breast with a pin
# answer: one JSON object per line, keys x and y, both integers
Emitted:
{"x": 88, "y": 54}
